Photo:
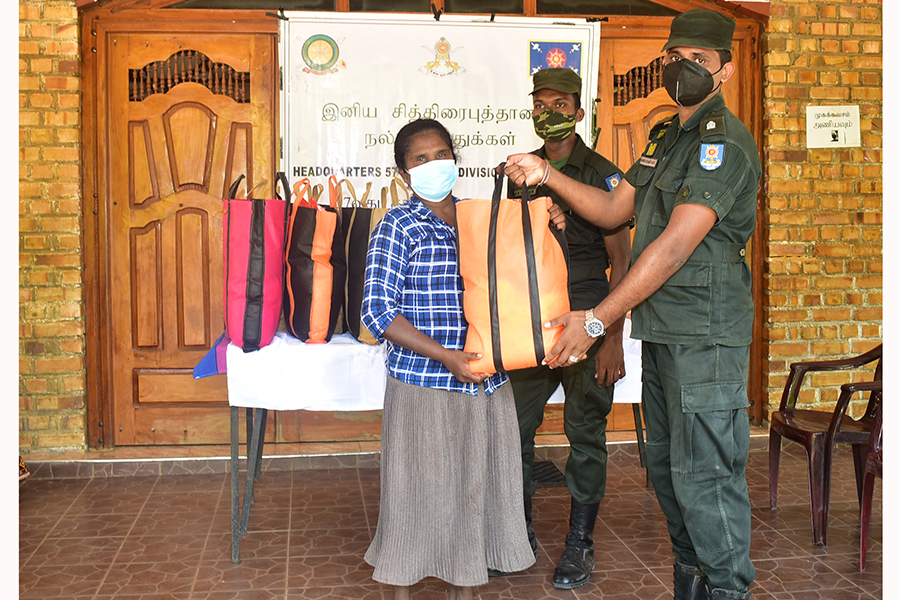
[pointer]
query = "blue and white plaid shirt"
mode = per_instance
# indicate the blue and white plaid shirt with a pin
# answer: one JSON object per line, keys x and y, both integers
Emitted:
{"x": 412, "y": 269}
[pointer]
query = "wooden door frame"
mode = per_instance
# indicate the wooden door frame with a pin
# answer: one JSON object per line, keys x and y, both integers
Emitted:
{"x": 97, "y": 25}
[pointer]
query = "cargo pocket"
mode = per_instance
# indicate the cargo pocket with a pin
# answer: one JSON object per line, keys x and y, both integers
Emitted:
{"x": 717, "y": 428}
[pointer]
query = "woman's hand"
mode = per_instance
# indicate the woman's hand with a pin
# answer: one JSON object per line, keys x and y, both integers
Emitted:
{"x": 574, "y": 342}
{"x": 457, "y": 362}
{"x": 557, "y": 216}
{"x": 525, "y": 168}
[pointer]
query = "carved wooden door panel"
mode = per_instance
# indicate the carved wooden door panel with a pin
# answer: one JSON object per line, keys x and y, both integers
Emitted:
{"x": 187, "y": 114}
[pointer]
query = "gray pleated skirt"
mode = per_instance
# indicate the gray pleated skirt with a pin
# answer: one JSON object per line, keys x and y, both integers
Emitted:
{"x": 451, "y": 487}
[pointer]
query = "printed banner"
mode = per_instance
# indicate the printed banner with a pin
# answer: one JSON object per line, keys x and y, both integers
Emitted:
{"x": 351, "y": 81}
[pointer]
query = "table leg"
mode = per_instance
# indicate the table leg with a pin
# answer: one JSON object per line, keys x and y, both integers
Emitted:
{"x": 235, "y": 494}
{"x": 254, "y": 455}
{"x": 639, "y": 430}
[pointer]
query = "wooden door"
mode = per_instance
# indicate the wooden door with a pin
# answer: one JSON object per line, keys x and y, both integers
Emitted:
{"x": 187, "y": 114}
{"x": 632, "y": 98}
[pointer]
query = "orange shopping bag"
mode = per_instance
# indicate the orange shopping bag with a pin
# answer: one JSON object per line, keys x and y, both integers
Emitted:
{"x": 514, "y": 266}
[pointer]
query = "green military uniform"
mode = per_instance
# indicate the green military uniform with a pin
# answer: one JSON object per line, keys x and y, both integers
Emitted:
{"x": 587, "y": 405}
{"x": 696, "y": 332}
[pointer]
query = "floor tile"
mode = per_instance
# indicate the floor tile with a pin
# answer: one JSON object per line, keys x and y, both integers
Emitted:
{"x": 166, "y": 536}
{"x": 160, "y": 578}
{"x": 222, "y": 576}
{"x": 41, "y": 583}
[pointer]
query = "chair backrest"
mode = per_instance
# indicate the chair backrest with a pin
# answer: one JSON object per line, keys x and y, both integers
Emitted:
{"x": 799, "y": 369}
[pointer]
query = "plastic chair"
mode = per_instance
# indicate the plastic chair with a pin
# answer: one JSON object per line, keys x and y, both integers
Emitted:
{"x": 872, "y": 470}
{"x": 818, "y": 432}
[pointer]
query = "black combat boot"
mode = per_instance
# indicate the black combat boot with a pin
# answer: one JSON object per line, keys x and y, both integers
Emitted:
{"x": 577, "y": 561}
{"x": 721, "y": 594}
{"x": 690, "y": 582}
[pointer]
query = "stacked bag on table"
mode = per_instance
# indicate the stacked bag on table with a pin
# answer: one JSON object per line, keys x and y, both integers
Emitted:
{"x": 301, "y": 256}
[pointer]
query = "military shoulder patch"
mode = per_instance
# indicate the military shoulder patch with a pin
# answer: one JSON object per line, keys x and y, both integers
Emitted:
{"x": 711, "y": 156}
{"x": 613, "y": 181}
{"x": 712, "y": 124}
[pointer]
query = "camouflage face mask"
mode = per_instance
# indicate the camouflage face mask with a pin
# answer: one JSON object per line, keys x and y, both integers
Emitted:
{"x": 553, "y": 126}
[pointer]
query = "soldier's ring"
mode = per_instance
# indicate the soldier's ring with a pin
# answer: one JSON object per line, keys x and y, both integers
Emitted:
{"x": 573, "y": 359}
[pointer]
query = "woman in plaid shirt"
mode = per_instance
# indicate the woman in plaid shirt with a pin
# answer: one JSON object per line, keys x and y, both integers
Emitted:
{"x": 451, "y": 478}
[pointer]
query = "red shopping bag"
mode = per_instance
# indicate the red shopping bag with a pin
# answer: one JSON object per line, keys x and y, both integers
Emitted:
{"x": 253, "y": 238}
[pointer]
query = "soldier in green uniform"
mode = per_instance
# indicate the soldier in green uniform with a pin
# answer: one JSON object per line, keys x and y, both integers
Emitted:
{"x": 693, "y": 193}
{"x": 588, "y": 384}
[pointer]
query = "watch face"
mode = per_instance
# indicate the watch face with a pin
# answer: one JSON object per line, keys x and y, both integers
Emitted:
{"x": 594, "y": 328}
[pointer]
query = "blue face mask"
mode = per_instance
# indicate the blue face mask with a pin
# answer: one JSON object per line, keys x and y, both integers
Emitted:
{"x": 434, "y": 180}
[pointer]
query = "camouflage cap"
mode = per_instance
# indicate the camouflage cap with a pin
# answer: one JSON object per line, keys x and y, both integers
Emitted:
{"x": 701, "y": 28}
{"x": 566, "y": 81}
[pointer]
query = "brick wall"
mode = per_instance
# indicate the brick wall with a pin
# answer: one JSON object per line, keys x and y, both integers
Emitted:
{"x": 823, "y": 275}
{"x": 51, "y": 313}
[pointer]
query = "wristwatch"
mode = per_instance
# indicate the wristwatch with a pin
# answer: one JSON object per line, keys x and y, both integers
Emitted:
{"x": 592, "y": 325}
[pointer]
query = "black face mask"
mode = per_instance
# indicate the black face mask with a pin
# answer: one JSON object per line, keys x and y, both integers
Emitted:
{"x": 687, "y": 82}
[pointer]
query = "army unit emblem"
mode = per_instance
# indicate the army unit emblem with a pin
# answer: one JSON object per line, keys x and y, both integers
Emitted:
{"x": 613, "y": 181}
{"x": 711, "y": 156}
{"x": 554, "y": 54}
{"x": 320, "y": 53}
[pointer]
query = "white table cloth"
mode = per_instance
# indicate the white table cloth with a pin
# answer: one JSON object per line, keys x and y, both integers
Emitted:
{"x": 346, "y": 375}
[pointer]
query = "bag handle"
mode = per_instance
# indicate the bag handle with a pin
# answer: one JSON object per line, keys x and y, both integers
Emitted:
{"x": 316, "y": 194}
{"x": 301, "y": 194}
{"x": 531, "y": 266}
{"x": 257, "y": 188}
{"x": 232, "y": 191}
{"x": 286, "y": 190}
{"x": 392, "y": 188}
{"x": 365, "y": 197}
{"x": 333, "y": 195}
{"x": 280, "y": 177}
{"x": 349, "y": 186}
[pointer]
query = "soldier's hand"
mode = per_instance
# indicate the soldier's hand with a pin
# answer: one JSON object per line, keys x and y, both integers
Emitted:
{"x": 525, "y": 169}
{"x": 557, "y": 216}
{"x": 574, "y": 342}
{"x": 609, "y": 362}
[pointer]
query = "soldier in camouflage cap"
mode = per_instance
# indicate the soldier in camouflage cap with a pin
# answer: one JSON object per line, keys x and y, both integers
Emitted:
{"x": 693, "y": 194}
{"x": 588, "y": 385}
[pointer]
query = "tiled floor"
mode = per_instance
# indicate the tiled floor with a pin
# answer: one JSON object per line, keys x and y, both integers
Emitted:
{"x": 168, "y": 537}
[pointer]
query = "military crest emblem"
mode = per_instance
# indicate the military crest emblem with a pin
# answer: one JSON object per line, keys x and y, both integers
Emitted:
{"x": 612, "y": 181}
{"x": 442, "y": 65}
{"x": 321, "y": 55}
{"x": 711, "y": 156}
